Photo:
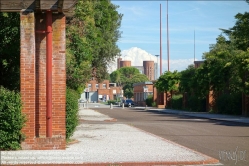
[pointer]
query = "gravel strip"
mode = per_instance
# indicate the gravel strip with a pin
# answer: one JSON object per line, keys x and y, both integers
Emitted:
{"x": 106, "y": 143}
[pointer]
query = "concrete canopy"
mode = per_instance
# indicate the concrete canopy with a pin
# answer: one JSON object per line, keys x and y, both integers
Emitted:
{"x": 36, "y": 5}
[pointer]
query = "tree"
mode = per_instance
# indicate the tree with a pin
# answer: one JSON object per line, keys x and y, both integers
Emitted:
{"x": 10, "y": 50}
{"x": 240, "y": 31}
{"x": 92, "y": 34}
{"x": 222, "y": 73}
{"x": 169, "y": 81}
{"x": 187, "y": 80}
{"x": 126, "y": 77}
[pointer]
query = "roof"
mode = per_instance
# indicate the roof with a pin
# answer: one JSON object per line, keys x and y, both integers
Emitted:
{"x": 143, "y": 83}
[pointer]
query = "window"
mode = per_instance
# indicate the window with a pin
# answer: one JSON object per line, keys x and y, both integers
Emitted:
{"x": 97, "y": 86}
{"x": 104, "y": 86}
{"x": 89, "y": 85}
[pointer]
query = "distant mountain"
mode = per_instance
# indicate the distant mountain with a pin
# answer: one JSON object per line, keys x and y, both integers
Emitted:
{"x": 137, "y": 56}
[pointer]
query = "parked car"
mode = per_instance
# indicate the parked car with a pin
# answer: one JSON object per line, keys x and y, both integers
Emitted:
{"x": 128, "y": 103}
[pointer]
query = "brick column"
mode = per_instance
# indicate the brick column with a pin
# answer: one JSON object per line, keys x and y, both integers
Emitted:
{"x": 58, "y": 140}
{"x": 33, "y": 80}
{"x": 27, "y": 70}
{"x": 59, "y": 75}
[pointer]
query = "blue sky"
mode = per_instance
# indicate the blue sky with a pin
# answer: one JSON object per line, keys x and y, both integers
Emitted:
{"x": 141, "y": 23}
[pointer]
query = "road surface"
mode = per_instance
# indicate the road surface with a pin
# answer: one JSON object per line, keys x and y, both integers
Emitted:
{"x": 225, "y": 141}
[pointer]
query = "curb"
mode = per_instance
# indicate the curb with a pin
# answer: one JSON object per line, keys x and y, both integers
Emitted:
{"x": 210, "y": 161}
{"x": 193, "y": 115}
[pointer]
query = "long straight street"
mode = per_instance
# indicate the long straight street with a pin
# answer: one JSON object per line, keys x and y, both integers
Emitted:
{"x": 225, "y": 141}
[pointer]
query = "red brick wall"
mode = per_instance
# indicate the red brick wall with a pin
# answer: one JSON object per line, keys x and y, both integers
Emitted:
{"x": 33, "y": 81}
{"x": 27, "y": 76}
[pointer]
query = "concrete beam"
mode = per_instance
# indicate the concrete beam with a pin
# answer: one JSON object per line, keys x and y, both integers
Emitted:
{"x": 36, "y": 5}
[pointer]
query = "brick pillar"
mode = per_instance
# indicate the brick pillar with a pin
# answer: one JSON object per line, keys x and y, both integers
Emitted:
{"x": 27, "y": 77}
{"x": 58, "y": 140}
{"x": 210, "y": 101}
{"x": 33, "y": 81}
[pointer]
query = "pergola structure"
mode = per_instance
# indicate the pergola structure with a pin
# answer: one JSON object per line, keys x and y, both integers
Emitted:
{"x": 43, "y": 69}
{"x": 36, "y": 5}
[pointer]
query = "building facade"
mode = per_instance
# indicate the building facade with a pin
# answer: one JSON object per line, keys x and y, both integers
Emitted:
{"x": 148, "y": 67}
{"x": 104, "y": 91}
{"x": 141, "y": 92}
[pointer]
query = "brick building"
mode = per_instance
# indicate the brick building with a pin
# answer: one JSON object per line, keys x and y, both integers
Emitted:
{"x": 102, "y": 91}
{"x": 141, "y": 91}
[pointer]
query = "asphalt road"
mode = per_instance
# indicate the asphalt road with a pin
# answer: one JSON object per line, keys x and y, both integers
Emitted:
{"x": 225, "y": 141}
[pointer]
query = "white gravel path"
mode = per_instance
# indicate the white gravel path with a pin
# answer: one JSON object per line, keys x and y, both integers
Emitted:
{"x": 106, "y": 143}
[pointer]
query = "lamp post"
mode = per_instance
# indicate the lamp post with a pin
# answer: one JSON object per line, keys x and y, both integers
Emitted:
{"x": 157, "y": 66}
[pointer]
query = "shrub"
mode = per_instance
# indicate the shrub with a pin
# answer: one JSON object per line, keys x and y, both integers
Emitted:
{"x": 194, "y": 104}
{"x": 72, "y": 118}
{"x": 11, "y": 120}
{"x": 149, "y": 100}
{"x": 176, "y": 101}
{"x": 229, "y": 104}
{"x": 111, "y": 102}
{"x": 154, "y": 104}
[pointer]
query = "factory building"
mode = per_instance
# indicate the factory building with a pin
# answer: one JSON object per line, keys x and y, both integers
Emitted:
{"x": 149, "y": 67}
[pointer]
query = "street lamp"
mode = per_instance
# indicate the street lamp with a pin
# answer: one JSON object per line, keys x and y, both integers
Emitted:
{"x": 157, "y": 66}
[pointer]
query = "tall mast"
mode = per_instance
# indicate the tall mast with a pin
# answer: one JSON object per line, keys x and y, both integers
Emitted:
{"x": 194, "y": 45}
{"x": 167, "y": 35}
{"x": 160, "y": 39}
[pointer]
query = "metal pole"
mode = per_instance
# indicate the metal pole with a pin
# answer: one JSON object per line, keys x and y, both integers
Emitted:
{"x": 194, "y": 46}
{"x": 167, "y": 35}
{"x": 160, "y": 39}
{"x": 49, "y": 40}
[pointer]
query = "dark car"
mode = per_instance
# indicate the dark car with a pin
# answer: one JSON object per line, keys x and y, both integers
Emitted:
{"x": 128, "y": 103}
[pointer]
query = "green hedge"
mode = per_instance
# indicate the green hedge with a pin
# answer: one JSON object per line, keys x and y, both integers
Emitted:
{"x": 72, "y": 118}
{"x": 113, "y": 102}
{"x": 11, "y": 120}
{"x": 176, "y": 101}
{"x": 229, "y": 104}
{"x": 194, "y": 104}
{"x": 149, "y": 100}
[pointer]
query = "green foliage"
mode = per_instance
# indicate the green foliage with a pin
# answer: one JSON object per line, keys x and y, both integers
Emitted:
{"x": 11, "y": 120}
{"x": 229, "y": 104}
{"x": 149, "y": 100}
{"x": 187, "y": 80}
{"x": 111, "y": 102}
{"x": 194, "y": 104}
{"x": 10, "y": 50}
{"x": 154, "y": 104}
{"x": 126, "y": 77}
{"x": 239, "y": 33}
{"x": 176, "y": 101}
{"x": 72, "y": 118}
{"x": 92, "y": 34}
{"x": 168, "y": 81}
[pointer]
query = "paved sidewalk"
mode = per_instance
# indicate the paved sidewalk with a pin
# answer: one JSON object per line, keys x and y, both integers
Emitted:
{"x": 106, "y": 142}
{"x": 205, "y": 115}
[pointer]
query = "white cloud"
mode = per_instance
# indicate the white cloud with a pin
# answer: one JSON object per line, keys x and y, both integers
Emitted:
{"x": 137, "y": 56}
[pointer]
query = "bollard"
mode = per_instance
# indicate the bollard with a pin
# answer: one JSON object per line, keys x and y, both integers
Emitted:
{"x": 145, "y": 107}
{"x": 122, "y": 105}
{"x": 111, "y": 106}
